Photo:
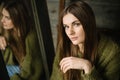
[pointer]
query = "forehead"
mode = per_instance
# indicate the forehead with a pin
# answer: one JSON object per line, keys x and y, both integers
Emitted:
{"x": 69, "y": 18}
{"x": 5, "y": 12}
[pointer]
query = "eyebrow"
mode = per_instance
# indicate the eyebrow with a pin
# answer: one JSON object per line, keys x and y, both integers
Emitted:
{"x": 8, "y": 16}
{"x": 72, "y": 22}
{"x": 5, "y": 15}
{"x": 75, "y": 21}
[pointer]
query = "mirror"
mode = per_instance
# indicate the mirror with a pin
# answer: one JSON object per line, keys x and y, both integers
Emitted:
{"x": 39, "y": 55}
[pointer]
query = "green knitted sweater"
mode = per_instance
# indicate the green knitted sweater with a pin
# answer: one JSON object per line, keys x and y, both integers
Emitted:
{"x": 31, "y": 68}
{"x": 107, "y": 63}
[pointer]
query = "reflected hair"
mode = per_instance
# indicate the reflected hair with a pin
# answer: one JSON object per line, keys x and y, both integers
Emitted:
{"x": 19, "y": 15}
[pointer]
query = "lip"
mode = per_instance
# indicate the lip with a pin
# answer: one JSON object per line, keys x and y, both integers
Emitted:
{"x": 4, "y": 24}
{"x": 73, "y": 38}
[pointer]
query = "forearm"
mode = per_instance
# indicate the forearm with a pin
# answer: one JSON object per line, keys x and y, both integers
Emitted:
{"x": 93, "y": 75}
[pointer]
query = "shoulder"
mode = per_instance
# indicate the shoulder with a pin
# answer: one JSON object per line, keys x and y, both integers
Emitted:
{"x": 107, "y": 58}
{"x": 32, "y": 37}
{"x": 108, "y": 49}
{"x": 31, "y": 41}
{"x": 107, "y": 43}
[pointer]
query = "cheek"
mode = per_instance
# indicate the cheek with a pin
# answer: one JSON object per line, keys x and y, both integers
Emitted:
{"x": 81, "y": 35}
{"x": 9, "y": 25}
{"x": 66, "y": 32}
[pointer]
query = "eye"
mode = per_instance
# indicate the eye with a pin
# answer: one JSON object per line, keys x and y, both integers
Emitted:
{"x": 7, "y": 17}
{"x": 1, "y": 15}
{"x": 76, "y": 24}
{"x": 65, "y": 26}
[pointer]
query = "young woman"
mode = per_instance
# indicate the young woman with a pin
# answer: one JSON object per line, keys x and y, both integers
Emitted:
{"x": 82, "y": 53}
{"x": 19, "y": 43}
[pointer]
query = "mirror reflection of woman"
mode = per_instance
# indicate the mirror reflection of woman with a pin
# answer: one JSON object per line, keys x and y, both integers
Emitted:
{"x": 82, "y": 53}
{"x": 19, "y": 43}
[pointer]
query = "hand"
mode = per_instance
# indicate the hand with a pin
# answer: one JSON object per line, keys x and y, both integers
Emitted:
{"x": 3, "y": 43}
{"x": 75, "y": 63}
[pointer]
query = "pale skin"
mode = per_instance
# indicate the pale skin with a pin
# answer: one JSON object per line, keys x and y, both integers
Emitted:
{"x": 7, "y": 24}
{"x": 75, "y": 32}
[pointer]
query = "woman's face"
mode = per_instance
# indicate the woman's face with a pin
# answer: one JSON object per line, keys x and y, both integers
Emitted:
{"x": 6, "y": 20}
{"x": 73, "y": 29}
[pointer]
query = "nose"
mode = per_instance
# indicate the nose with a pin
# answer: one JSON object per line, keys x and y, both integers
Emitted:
{"x": 2, "y": 20}
{"x": 71, "y": 31}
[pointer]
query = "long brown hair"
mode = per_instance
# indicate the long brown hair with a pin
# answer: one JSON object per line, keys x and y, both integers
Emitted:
{"x": 20, "y": 18}
{"x": 83, "y": 12}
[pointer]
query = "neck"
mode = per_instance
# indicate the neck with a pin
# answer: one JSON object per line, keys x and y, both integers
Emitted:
{"x": 81, "y": 48}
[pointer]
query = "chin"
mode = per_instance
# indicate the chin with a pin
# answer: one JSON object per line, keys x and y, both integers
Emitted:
{"x": 7, "y": 28}
{"x": 74, "y": 43}
{"x": 4, "y": 27}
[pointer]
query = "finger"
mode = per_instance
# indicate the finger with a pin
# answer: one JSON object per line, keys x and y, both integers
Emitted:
{"x": 63, "y": 65}
{"x": 64, "y": 59}
{"x": 64, "y": 62}
{"x": 2, "y": 47}
{"x": 66, "y": 67}
{"x": 4, "y": 42}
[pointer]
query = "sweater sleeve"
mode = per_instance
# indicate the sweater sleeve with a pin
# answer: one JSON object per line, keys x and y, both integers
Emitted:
{"x": 31, "y": 68}
{"x": 93, "y": 75}
{"x": 107, "y": 65}
{"x": 56, "y": 73}
{"x": 111, "y": 71}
